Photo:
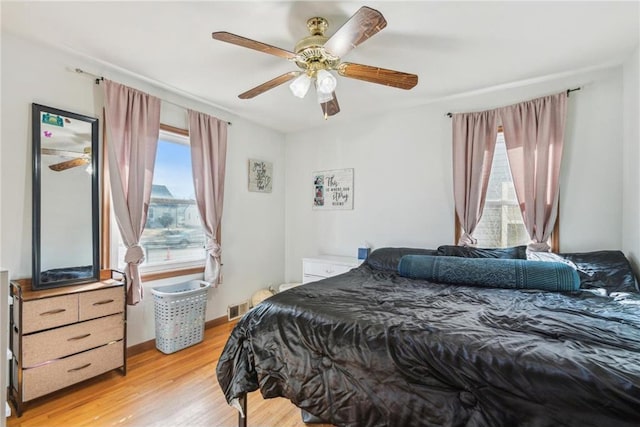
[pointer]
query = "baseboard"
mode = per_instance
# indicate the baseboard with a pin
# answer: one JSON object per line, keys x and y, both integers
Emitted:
{"x": 217, "y": 322}
{"x": 148, "y": 345}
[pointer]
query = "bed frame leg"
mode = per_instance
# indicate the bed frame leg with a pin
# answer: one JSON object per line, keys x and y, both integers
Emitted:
{"x": 242, "y": 420}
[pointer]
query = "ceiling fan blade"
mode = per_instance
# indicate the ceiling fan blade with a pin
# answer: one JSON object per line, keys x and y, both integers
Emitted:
{"x": 365, "y": 23}
{"x": 330, "y": 108}
{"x": 378, "y": 75}
{"x": 69, "y": 164}
{"x": 252, "y": 44}
{"x": 269, "y": 85}
{"x": 62, "y": 153}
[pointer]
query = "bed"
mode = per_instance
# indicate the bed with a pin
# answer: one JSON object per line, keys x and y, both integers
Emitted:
{"x": 374, "y": 348}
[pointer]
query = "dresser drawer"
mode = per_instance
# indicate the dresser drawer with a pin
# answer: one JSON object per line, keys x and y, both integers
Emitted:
{"x": 56, "y": 343}
{"x": 308, "y": 278}
{"x": 49, "y": 312}
{"x": 101, "y": 303}
{"x": 64, "y": 372}
{"x": 324, "y": 269}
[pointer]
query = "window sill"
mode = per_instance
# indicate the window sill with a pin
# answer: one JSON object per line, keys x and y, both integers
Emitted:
{"x": 165, "y": 274}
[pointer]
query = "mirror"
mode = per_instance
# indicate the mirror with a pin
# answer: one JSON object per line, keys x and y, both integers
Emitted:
{"x": 65, "y": 198}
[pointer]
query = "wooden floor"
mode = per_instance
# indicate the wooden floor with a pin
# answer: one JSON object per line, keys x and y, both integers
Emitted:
{"x": 179, "y": 389}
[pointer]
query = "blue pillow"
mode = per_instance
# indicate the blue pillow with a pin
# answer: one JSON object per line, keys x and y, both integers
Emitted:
{"x": 491, "y": 272}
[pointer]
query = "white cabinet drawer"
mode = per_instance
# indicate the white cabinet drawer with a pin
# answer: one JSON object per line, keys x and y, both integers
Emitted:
{"x": 323, "y": 266}
{"x": 307, "y": 278}
{"x": 64, "y": 372}
{"x": 56, "y": 343}
{"x": 49, "y": 312}
{"x": 324, "y": 269}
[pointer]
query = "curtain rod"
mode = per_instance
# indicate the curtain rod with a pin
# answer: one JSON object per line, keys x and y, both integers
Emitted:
{"x": 98, "y": 79}
{"x": 568, "y": 92}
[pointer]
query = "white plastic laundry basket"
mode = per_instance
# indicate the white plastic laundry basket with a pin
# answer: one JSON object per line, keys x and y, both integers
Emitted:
{"x": 180, "y": 311}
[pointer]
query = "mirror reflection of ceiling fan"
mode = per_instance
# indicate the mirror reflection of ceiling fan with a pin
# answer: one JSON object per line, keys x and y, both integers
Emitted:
{"x": 316, "y": 55}
{"x": 76, "y": 158}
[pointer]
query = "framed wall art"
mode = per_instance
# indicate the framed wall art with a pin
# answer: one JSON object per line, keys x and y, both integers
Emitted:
{"x": 260, "y": 176}
{"x": 333, "y": 189}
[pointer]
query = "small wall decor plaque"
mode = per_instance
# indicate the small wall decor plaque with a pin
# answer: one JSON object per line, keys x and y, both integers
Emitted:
{"x": 333, "y": 189}
{"x": 260, "y": 176}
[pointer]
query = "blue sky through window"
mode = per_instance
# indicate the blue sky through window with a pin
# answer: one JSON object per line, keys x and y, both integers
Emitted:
{"x": 173, "y": 169}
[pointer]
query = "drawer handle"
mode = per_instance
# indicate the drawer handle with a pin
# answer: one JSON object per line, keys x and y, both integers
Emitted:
{"x": 79, "y": 368}
{"x": 54, "y": 311}
{"x": 104, "y": 301}
{"x": 79, "y": 337}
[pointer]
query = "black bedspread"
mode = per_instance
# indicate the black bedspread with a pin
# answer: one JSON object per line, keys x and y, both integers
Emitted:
{"x": 371, "y": 348}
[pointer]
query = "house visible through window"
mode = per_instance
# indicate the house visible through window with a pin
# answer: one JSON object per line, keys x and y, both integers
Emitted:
{"x": 501, "y": 224}
{"x": 173, "y": 237}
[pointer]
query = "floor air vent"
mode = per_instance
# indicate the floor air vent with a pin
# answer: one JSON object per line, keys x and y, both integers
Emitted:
{"x": 237, "y": 310}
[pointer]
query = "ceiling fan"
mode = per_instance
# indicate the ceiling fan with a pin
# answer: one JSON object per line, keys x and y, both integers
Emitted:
{"x": 77, "y": 158}
{"x": 316, "y": 55}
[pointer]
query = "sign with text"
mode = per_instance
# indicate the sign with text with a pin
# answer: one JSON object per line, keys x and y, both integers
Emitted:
{"x": 260, "y": 176}
{"x": 333, "y": 189}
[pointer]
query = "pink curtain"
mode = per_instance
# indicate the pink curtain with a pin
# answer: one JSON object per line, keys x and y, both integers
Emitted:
{"x": 534, "y": 134}
{"x": 474, "y": 141}
{"x": 133, "y": 122}
{"x": 208, "y": 137}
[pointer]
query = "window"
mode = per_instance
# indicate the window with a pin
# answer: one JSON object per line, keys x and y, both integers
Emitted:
{"x": 501, "y": 224}
{"x": 173, "y": 238}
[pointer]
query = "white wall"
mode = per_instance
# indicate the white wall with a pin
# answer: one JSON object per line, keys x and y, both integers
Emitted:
{"x": 631, "y": 163}
{"x": 402, "y": 173}
{"x": 253, "y": 223}
{"x": 402, "y": 179}
{"x": 401, "y": 185}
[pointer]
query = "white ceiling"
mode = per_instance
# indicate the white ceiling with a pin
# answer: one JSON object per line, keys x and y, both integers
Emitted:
{"x": 454, "y": 47}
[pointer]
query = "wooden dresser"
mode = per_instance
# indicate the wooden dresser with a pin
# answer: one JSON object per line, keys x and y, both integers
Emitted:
{"x": 65, "y": 335}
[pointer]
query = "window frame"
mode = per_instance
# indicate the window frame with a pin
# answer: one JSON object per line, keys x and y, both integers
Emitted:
{"x": 107, "y": 232}
{"x": 554, "y": 238}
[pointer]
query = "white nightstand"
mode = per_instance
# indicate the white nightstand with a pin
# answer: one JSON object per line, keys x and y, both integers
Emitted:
{"x": 323, "y": 266}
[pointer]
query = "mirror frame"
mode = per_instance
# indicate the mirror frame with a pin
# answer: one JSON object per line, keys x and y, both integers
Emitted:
{"x": 36, "y": 110}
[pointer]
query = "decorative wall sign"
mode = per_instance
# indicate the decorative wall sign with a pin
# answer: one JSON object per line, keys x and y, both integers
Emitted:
{"x": 333, "y": 189}
{"x": 260, "y": 176}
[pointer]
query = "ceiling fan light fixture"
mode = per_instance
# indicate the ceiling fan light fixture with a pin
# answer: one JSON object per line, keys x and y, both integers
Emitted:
{"x": 300, "y": 86}
{"x": 324, "y": 97}
{"x": 319, "y": 59}
{"x": 325, "y": 82}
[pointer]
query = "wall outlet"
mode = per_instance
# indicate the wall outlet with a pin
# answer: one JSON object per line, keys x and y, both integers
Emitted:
{"x": 237, "y": 310}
